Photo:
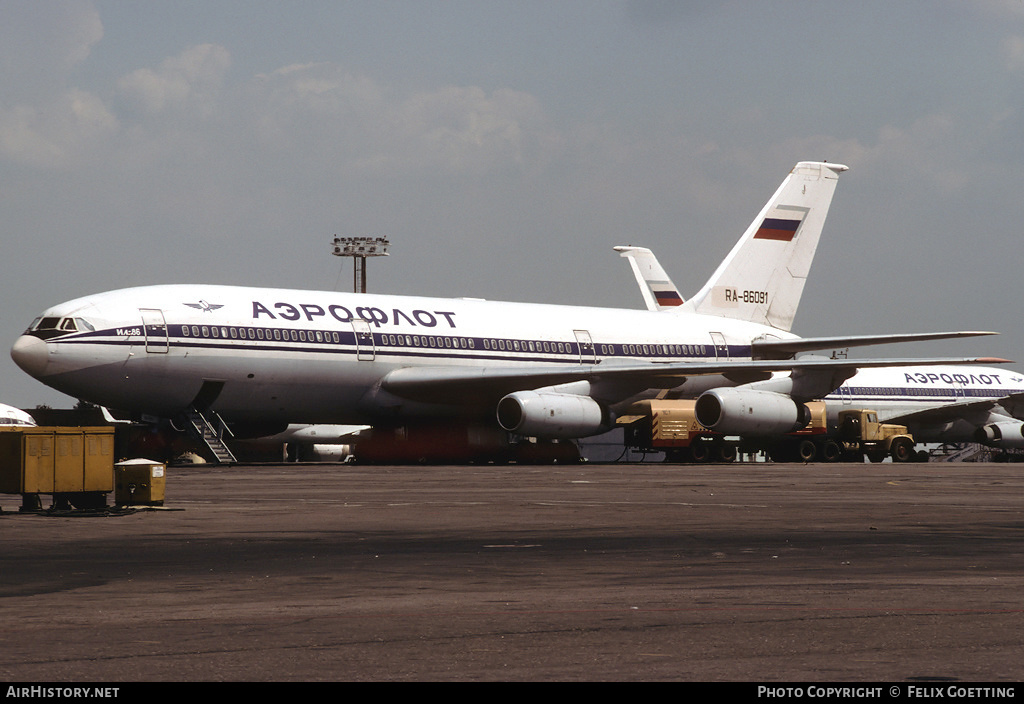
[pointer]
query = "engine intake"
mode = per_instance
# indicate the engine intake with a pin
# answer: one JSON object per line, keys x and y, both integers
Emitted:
{"x": 748, "y": 412}
{"x": 552, "y": 416}
{"x": 1008, "y": 434}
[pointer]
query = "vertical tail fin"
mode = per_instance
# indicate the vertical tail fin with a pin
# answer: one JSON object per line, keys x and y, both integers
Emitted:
{"x": 763, "y": 277}
{"x": 656, "y": 287}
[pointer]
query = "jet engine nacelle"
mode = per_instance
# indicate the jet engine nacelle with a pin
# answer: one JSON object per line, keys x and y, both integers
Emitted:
{"x": 1008, "y": 434}
{"x": 552, "y": 416}
{"x": 748, "y": 412}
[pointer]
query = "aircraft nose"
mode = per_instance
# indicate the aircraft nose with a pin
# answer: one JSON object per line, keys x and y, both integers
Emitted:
{"x": 31, "y": 355}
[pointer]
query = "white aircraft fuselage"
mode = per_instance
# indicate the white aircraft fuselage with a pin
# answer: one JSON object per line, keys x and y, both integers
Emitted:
{"x": 319, "y": 357}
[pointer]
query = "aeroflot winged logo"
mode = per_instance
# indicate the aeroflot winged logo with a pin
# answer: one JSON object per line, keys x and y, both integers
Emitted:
{"x": 204, "y": 306}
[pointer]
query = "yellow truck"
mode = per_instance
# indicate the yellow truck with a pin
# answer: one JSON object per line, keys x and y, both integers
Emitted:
{"x": 861, "y": 434}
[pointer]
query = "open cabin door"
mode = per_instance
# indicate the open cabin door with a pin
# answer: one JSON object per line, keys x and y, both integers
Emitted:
{"x": 588, "y": 355}
{"x": 365, "y": 351}
{"x": 846, "y": 394}
{"x": 721, "y": 348}
{"x": 155, "y": 330}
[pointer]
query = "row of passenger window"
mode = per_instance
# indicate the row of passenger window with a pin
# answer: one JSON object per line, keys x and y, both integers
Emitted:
{"x": 529, "y": 346}
{"x": 275, "y": 334}
{"x": 227, "y": 332}
{"x": 929, "y": 391}
{"x": 654, "y": 350}
{"x": 435, "y": 341}
{"x": 541, "y": 346}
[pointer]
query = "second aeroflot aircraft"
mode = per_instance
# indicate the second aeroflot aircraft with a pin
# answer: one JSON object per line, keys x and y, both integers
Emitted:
{"x": 479, "y": 370}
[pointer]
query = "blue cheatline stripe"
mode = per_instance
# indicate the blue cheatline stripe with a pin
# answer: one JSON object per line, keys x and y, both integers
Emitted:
{"x": 403, "y": 344}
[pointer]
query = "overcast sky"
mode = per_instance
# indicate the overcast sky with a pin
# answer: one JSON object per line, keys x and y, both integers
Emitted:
{"x": 505, "y": 147}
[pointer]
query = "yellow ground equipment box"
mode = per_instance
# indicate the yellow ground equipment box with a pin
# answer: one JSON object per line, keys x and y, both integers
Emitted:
{"x": 56, "y": 460}
{"x": 138, "y": 482}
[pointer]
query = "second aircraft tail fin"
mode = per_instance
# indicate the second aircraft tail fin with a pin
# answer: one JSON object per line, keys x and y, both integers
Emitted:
{"x": 656, "y": 287}
{"x": 763, "y": 277}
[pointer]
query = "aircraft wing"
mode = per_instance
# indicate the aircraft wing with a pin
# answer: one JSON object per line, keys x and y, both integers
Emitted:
{"x": 1012, "y": 404}
{"x": 782, "y": 349}
{"x": 476, "y": 385}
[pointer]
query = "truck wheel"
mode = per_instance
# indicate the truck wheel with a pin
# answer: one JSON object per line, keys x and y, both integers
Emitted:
{"x": 902, "y": 450}
{"x": 806, "y": 451}
{"x": 699, "y": 451}
{"x": 831, "y": 451}
{"x": 725, "y": 453}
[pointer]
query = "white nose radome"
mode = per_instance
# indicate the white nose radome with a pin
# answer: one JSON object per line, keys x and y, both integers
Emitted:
{"x": 31, "y": 355}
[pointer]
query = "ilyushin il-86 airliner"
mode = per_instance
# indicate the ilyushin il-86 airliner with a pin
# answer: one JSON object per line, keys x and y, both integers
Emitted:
{"x": 448, "y": 377}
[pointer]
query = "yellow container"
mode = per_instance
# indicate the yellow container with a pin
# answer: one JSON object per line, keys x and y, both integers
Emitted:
{"x": 26, "y": 460}
{"x": 139, "y": 482}
{"x": 50, "y": 460}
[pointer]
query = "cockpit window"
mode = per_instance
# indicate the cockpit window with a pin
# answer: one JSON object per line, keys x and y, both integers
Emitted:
{"x": 45, "y": 328}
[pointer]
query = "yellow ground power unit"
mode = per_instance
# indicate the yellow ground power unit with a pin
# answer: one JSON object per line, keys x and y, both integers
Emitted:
{"x": 139, "y": 482}
{"x": 53, "y": 460}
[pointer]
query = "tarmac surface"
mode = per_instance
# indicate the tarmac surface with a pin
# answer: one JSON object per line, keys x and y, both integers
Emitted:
{"x": 738, "y": 573}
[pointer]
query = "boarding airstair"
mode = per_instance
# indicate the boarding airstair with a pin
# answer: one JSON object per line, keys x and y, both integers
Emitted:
{"x": 965, "y": 452}
{"x": 210, "y": 429}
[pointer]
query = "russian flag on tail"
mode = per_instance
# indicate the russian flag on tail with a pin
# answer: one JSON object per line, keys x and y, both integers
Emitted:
{"x": 667, "y": 297}
{"x": 780, "y": 229}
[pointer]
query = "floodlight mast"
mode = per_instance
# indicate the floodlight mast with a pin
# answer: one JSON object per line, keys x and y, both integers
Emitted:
{"x": 359, "y": 248}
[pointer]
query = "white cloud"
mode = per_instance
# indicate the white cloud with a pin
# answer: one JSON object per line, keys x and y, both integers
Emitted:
{"x": 332, "y": 115}
{"x": 191, "y": 80}
{"x": 58, "y": 134}
{"x": 43, "y": 122}
{"x": 463, "y": 128}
